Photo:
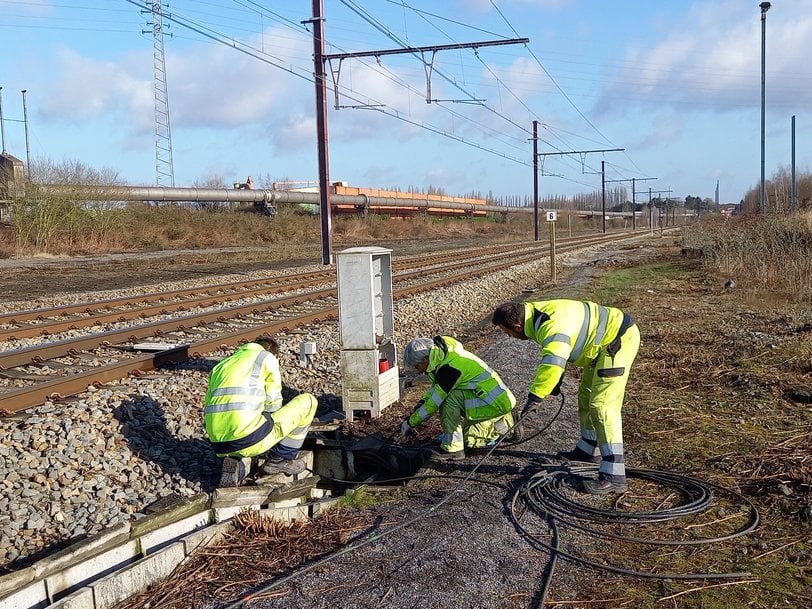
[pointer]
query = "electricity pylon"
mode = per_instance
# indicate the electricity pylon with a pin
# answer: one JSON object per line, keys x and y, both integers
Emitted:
{"x": 164, "y": 169}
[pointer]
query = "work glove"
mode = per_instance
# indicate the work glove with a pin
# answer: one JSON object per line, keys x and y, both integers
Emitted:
{"x": 405, "y": 428}
{"x": 532, "y": 403}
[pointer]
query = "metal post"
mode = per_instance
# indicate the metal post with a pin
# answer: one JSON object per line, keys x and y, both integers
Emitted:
{"x": 793, "y": 199}
{"x": 321, "y": 132}
{"x": 650, "y": 213}
{"x": 27, "y": 148}
{"x": 660, "y": 219}
{"x": 535, "y": 182}
{"x": 764, "y": 6}
{"x": 603, "y": 193}
{"x": 634, "y": 207}
{"x": 2, "y": 124}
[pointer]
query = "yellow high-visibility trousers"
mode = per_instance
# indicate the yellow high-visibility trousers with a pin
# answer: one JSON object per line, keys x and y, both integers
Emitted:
{"x": 600, "y": 398}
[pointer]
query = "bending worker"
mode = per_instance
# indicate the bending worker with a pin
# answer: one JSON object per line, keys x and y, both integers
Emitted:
{"x": 475, "y": 405}
{"x": 244, "y": 415}
{"x": 604, "y": 342}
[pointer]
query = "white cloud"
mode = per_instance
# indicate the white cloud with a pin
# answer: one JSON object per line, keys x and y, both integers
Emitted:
{"x": 214, "y": 86}
{"x": 712, "y": 60}
{"x": 294, "y": 132}
{"x": 85, "y": 89}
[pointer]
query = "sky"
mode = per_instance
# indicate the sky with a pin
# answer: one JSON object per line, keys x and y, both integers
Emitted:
{"x": 665, "y": 89}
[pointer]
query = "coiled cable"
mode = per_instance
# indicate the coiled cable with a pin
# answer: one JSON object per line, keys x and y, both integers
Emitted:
{"x": 545, "y": 494}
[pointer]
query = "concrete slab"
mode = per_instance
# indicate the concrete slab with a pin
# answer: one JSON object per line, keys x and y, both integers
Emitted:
{"x": 159, "y": 538}
{"x": 111, "y": 590}
{"x": 31, "y": 596}
{"x": 222, "y": 514}
{"x": 78, "y": 575}
{"x": 205, "y": 537}
{"x": 81, "y": 599}
{"x": 16, "y": 579}
{"x": 77, "y": 552}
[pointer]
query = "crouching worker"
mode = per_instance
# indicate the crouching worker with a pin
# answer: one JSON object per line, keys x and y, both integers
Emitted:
{"x": 244, "y": 415}
{"x": 475, "y": 405}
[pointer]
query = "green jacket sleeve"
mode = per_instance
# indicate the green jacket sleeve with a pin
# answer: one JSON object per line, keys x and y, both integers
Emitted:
{"x": 555, "y": 349}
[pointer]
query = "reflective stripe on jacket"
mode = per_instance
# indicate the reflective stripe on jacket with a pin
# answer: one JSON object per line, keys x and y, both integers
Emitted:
{"x": 241, "y": 388}
{"x": 568, "y": 331}
{"x": 451, "y": 368}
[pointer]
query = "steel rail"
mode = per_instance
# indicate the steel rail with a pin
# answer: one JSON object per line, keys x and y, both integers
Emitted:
{"x": 90, "y": 308}
{"x": 52, "y": 327}
{"x": 40, "y": 353}
{"x": 27, "y": 397}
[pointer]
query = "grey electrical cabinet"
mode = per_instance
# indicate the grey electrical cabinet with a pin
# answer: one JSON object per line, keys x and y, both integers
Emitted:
{"x": 369, "y": 370}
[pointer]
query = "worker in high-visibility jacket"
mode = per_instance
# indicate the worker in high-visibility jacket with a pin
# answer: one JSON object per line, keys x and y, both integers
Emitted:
{"x": 244, "y": 415}
{"x": 475, "y": 405}
{"x": 604, "y": 342}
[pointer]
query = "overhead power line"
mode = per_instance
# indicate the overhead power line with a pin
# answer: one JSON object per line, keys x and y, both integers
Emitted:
{"x": 307, "y": 76}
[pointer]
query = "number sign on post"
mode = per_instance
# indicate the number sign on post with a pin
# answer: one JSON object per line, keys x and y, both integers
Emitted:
{"x": 552, "y": 216}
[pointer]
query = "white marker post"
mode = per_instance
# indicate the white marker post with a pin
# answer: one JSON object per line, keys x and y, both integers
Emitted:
{"x": 552, "y": 216}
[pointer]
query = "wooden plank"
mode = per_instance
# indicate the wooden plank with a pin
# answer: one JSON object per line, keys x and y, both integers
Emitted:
{"x": 241, "y": 495}
{"x": 297, "y": 488}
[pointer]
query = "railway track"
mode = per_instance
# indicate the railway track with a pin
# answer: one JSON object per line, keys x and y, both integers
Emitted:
{"x": 200, "y": 320}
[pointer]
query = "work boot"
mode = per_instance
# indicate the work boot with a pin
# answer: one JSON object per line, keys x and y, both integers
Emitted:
{"x": 234, "y": 471}
{"x": 278, "y": 465}
{"x": 576, "y": 454}
{"x": 602, "y": 486}
{"x": 444, "y": 455}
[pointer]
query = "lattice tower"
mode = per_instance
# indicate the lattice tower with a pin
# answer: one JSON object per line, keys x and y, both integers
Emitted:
{"x": 164, "y": 169}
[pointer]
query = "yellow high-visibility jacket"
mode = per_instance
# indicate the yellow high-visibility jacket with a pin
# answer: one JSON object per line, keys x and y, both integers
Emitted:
{"x": 450, "y": 368}
{"x": 568, "y": 331}
{"x": 242, "y": 387}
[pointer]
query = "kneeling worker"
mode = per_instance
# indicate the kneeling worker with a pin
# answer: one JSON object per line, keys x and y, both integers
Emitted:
{"x": 244, "y": 415}
{"x": 475, "y": 405}
{"x": 604, "y": 342}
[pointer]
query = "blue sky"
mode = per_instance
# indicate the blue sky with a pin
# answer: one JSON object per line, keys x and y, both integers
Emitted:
{"x": 675, "y": 83}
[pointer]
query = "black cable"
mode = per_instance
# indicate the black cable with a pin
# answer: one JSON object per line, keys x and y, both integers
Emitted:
{"x": 543, "y": 495}
{"x": 540, "y": 431}
{"x": 420, "y": 477}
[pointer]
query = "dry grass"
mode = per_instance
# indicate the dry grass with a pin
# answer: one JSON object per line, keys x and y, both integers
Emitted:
{"x": 709, "y": 396}
{"x": 773, "y": 252}
{"x": 59, "y": 227}
{"x": 63, "y": 223}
